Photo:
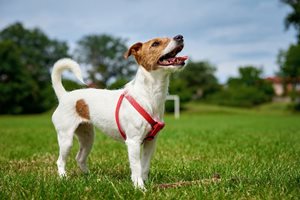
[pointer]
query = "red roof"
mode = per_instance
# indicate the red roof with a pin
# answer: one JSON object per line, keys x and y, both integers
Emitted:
{"x": 274, "y": 79}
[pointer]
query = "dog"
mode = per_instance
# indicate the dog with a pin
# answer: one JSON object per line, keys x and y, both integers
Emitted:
{"x": 80, "y": 110}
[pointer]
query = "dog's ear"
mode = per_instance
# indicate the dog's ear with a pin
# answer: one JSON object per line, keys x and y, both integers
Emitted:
{"x": 133, "y": 49}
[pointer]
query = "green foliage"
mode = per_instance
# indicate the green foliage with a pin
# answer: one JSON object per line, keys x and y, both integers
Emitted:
{"x": 104, "y": 55}
{"x": 293, "y": 18}
{"x": 118, "y": 84}
{"x": 70, "y": 85}
{"x": 248, "y": 76}
{"x": 200, "y": 79}
{"x": 289, "y": 63}
{"x": 240, "y": 96}
{"x": 297, "y": 106}
{"x": 196, "y": 81}
{"x": 14, "y": 87}
{"x": 179, "y": 87}
{"x": 247, "y": 90}
{"x": 25, "y": 60}
{"x": 255, "y": 154}
{"x": 294, "y": 106}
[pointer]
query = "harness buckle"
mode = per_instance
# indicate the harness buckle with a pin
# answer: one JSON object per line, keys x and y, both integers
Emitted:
{"x": 155, "y": 129}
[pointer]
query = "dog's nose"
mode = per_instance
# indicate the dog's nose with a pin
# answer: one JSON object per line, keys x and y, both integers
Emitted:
{"x": 178, "y": 38}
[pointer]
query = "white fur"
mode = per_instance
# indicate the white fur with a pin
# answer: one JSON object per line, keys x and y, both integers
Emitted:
{"x": 58, "y": 68}
{"x": 148, "y": 88}
{"x": 172, "y": 44}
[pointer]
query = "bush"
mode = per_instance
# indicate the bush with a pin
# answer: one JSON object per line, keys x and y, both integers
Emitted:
{"x": 297, "y": 107}
{"x": 240, "y": 96}
{"x": 247, "y": 90}
{"x": 178, "y": 87}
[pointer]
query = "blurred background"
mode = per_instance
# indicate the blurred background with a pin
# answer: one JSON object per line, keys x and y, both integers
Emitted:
{"x": 242, "y": 53}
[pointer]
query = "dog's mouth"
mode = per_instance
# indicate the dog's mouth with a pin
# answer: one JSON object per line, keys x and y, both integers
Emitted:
{"x": 171, "y": 59}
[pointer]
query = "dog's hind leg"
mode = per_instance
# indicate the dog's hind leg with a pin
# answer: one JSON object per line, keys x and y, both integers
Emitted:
{"x": 85, "y": 135}
{"x": 65, "y": 141}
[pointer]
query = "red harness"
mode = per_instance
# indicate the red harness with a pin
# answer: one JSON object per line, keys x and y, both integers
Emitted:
{"x": 156, "y": 125}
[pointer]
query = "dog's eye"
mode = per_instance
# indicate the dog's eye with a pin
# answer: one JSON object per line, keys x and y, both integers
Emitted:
{"x": 155, "y": 44}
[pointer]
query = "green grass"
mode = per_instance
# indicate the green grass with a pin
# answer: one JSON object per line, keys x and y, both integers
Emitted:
{"x": 256, "y": 153}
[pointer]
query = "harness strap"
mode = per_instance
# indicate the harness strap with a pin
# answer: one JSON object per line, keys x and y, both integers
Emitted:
{"x": 117, "y": 116}
{"x": 156, "y": 125}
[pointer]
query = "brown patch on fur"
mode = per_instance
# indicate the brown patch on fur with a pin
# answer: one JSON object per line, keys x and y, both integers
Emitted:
{"x": 147, "y": 54}
{"x": 82, "y": 109}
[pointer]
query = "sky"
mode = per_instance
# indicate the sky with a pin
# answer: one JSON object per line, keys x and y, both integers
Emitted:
{"x": 227, "y": 33}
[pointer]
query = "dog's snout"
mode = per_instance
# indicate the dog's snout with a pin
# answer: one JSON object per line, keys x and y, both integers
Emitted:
{"x": 178, "y": 38}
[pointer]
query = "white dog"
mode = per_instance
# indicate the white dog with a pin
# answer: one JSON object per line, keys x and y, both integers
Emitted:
{"x": 79, "y": 110}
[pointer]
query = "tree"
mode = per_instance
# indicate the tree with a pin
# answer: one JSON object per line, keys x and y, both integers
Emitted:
{"x": 197, "y": 81}
{"x": 289, "y": 63}
{"x": 248, "y": 76}
{"x": 14, "y": 78}
{"x": 26, "y": 56}
{"x": 104, "y": 54}
{"x": 293, "y": 18}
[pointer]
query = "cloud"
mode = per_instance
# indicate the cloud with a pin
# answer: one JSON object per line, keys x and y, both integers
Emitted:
{"x": 228, "y": 33}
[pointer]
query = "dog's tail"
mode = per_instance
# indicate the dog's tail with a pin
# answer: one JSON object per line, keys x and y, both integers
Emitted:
{"x": 58, "y": 68}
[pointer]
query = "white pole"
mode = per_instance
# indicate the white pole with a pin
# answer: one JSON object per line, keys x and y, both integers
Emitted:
{"x": 176, "y": 100}
{"x": 177, "y": 107}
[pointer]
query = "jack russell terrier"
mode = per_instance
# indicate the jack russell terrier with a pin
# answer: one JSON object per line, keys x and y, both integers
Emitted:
{"x": 133, "y": 114}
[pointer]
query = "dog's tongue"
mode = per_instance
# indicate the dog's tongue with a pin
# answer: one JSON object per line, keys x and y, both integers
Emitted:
{"x": 176, "y": 59}
{"x": 183, "y": 58}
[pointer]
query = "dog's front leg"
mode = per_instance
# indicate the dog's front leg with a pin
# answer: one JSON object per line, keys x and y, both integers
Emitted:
{"x": 149, "y": 147}
{"x": 134, "y": 154}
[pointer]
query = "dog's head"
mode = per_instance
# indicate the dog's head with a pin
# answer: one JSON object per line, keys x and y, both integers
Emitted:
{"x": 159, "y": 54}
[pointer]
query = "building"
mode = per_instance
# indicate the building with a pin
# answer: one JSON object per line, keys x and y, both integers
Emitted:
{"x": 280, "y": 85}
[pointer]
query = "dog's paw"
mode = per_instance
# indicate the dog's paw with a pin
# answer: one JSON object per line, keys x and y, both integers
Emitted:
{"x": 138, "y": 183}
{"x": 62, "y": 174}
{"x": 84, "y": 168}
{"x": 145, "y": 177}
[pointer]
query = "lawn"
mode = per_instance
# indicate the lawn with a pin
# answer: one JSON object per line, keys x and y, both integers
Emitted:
{"x": 254, "y": 153}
